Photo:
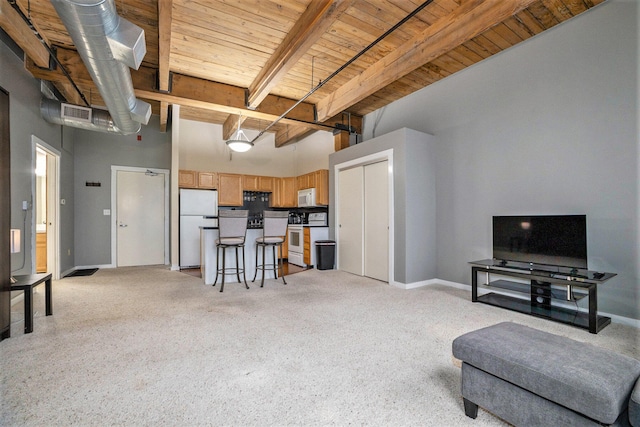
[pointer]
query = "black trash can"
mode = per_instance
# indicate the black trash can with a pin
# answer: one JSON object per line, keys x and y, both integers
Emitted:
{"x": 325, "y": 254}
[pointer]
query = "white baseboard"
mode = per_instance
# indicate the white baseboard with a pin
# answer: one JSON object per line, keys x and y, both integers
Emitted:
{"x": 415, "y": 285}
{"x": 82, "y": 267}
{"x": 614, "y": 317}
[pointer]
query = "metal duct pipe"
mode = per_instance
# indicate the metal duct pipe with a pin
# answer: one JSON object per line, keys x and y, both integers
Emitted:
{"x": 108, "y": 45}
{"x": 78, "y": 117}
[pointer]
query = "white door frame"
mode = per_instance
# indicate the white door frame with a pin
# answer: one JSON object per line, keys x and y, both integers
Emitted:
{"x": 114, "y": 208}
{"x": 53, "y": 207}
{"x": 363, "y": 161}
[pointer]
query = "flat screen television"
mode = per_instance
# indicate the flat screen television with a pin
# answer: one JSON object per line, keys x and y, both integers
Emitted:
{"x": 557, "y": 240}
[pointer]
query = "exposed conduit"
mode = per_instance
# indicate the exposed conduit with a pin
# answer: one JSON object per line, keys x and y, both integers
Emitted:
{"x": 52, "y": 54}
{"x": 349, "y": 62}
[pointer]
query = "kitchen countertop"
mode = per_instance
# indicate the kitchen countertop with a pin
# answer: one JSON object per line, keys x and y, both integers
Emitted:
{"x": 259, "y": 227}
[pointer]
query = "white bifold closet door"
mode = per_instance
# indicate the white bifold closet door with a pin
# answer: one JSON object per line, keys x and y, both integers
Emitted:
{"x": 351, "y": 211}
{"x": 376, "y": 221}
{"x": 363, "y": 220}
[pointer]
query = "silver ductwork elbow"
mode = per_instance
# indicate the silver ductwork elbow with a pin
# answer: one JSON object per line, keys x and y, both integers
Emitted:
{"x": 108, "y": 45}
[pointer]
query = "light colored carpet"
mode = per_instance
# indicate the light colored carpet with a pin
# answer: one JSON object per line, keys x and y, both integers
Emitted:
{"x": 149, "y": 346}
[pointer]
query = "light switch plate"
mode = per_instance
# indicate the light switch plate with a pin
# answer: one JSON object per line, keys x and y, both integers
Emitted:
{"x": 106, "y": 212}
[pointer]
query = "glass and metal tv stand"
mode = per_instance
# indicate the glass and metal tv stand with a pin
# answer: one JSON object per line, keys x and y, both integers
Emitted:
{"x": 552, "y": 292}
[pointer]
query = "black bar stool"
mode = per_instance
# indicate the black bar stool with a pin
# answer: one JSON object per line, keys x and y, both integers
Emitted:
{"x": 274, "y": 230}
{"x": 232, "y": 228}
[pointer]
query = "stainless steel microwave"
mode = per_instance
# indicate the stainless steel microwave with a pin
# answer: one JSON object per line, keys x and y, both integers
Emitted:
{"x": 307, "y": 198}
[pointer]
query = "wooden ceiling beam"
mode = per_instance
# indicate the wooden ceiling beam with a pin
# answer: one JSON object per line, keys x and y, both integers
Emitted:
{"x": 311, "y": 26}
{"x": 186, "y": 90}
{"x": 70, "y": 60}
{"x": 231, "y": 125}
{"x": 13, "y": 24}
{"x": 290, "y": 133}
{"x": 164, "y": 52}
{"x": 200, "y": 93}
{"x": 164, "y": 116}
{"x": 69, "y": 92}
{"x": 164, "y": 43}
{"x": 197, "y": 93}
{"x": 472, "y": 18}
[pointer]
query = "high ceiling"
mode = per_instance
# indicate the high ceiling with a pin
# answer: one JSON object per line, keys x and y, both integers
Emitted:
{"x": 222, "y": 60}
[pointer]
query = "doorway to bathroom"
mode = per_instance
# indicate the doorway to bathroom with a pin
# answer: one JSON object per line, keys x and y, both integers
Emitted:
{"x": 46, "y": 212}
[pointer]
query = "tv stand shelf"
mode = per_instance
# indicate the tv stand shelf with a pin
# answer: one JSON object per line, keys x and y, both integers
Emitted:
{"x": 543, "y": 286}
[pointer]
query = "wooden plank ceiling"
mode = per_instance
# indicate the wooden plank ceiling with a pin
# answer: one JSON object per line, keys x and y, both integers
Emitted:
{"x": 253, "y": 59}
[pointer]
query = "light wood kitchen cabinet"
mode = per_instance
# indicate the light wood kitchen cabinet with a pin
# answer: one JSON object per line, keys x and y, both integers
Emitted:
{"x": 289, "y": 193}
{"x": 208, "y": 180}
{"x": 306, "y": 181}
{"x": 284, "y": 193}
{"x": 250, "y": 182}
{"x": 274, "y": 200}
{"x": 187, "y": 179}
{"x": 266, "y": 183}
{"x": 307, "y": 246}
{"x": 320, "y": 181}
{"x": 322, "y": 186}
{"x": 258, "y": 183}
{"x": 41, "y": 252}
{"x": 285, "y": 247}
{"x": 229, "y": 189}
{"x": 284, "y": 190}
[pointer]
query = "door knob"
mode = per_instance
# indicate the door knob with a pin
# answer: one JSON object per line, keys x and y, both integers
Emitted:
{"x": 123, "y": 225}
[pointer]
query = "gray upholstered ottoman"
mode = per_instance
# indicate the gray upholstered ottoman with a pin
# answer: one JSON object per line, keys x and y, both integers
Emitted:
{"x": 529, "y": 377}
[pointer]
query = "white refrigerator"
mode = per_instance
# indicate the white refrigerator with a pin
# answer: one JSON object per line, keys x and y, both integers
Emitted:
{"x": 198, "y": 208}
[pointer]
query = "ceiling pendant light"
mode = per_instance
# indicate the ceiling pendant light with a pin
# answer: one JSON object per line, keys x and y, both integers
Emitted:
{"x": 240, "y": 143}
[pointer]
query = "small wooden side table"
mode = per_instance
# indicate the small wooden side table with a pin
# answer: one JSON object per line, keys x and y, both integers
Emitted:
{"x": 26, "y": 283}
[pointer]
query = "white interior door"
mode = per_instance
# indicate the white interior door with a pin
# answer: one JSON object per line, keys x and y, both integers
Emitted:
{"x": 140, "y": 209}
{"x": 376, "y": 221}
{"x": 350, "y": 215}
{"x": 46, "y": 188}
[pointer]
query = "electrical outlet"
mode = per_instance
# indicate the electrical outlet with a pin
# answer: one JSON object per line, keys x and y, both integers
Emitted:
{"x": 25, "y": 205}
{"x": 68, "y": 252}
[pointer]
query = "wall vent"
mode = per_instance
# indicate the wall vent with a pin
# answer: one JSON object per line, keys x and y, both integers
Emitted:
{"x": 75, "y": 112}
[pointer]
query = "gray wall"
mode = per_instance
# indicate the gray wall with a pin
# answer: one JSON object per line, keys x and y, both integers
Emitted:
{"x": 95, "y": 153}
{"x": 547, "y": 127}
{"x": 24, "y": 92}
{"x": 414, "y": 199}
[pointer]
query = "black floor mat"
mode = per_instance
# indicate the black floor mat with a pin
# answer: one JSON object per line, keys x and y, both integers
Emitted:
{"x": 82, "y": 272}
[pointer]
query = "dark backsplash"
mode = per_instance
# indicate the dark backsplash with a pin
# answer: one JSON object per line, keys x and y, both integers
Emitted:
{"x": 256, "y": 202}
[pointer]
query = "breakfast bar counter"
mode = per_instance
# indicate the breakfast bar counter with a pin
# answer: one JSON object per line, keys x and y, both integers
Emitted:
{"x": 208, "y": 236}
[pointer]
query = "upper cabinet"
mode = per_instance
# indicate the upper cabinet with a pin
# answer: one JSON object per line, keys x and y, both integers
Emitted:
{"x": 229, "y": 189}
{"x": 187, "y": 179}
{"x": 258, "y": 183}
{"x": 250, "y": 182}
{"x": 321, "y": 178}
{"x": 318, "y": 180}
{"x": 266, "y": 183}
{"x": 193, "y": 179}
{"x": 283, "y": 191}
{"x": 207, "y": 180}
{"x": 306, "y": 181}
